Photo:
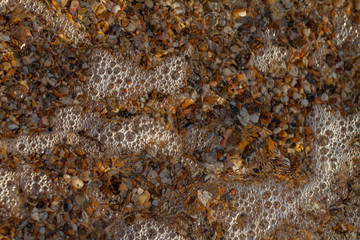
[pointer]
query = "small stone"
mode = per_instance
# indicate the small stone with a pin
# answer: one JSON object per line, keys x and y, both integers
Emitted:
{"x": 204, "y": 197}
{"x": 155, "y": 203}
{"x": 67, "y": 178}
{"x": 74, "y": 6}
{"x": 79, "y": 200}
{"x": 23, "y": 34}
{"x": 141, "y": 200}
{"x": 210, "y": 157}
{"x": 13, "y": 126}
{"x": 278, "y": 108}
{"x": 27, "y": 59}
{"x": 324, "y": 97}
{"x": 149, "y": 3}
{"x": 63, "y": 3}
{"x": 85, "y": 176}
{"x": 307, "y": 87}
{"x": 329, "y": 81}
{"x": 244, "y": 116}
{"x": 296, "y": 96}
{"x": 357, "y": 5}
{"x": 47, "y": 63}
{"x": 304, "y": 102}
{"x": 61, "y": 91}
{"x": 131, "y": 27}
{"x": 227, "y": 72}
{"x": 4, "y": 37}
{"x": 152, "y": 174}
{"x": 76, "y": 182}
{"x": 165, "y": 176}
{"x": 277, "y": 130}
{"x": 140, "y": 191}
{"x": 276, "y": 91}
{"x": 115, "y": 9}
{"x": 287, "y": 3}
{"x": 254, "y": 118}
{"x": 228, "y": 30}
{"x": 235, "y": 48}
{"x": 42, "y": 230}
{"x": 35, "y": 216}
{"x": 55, "y": 205}
{"x": 6, "y": 66}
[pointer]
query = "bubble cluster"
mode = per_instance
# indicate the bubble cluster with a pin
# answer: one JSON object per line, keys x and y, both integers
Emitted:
{"x": 17, "y": 185}
{"x": 112, "y": 76}
{"x": 259, "y": 209}
{"x": 9, "y": 200}
{"x": 345, "y": 29}
{"x": 270, "y": 58}
{"x": 318, "y": 58}
{"x": 133, "y": 135}
{"x": 262, "y": 207}
{"x": 333, "y": 154}
{"x": 57, "y": 22}
{"x": 136, "y": 134}
{"x": 36, "y": 183}
{"x": 145, "y": 229}
{"x": 36, "y": 143}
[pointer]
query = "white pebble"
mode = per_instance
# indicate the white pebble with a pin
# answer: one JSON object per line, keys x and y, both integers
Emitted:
{"x": 77, "y": 183}
{"x": 204, "y": 196}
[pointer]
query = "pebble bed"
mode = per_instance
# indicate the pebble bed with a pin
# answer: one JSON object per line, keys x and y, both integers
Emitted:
{"x": 164, "y": 119}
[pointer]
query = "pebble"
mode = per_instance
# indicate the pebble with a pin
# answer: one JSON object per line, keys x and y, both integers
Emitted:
{"x": 142, "y": 199}
{"x": 27, "y": 59}
{"x": 63, "y": 3}
{"x": 155, "y": 203}
{"x": 228, "y": 30}
{"x": 35, "y": 216}
{"x": 80, "y": 200}
{"x": 244, "y": 116}
{"x": 140, "y": 191}
{"x": 277, "y": 130}
{"x": 76, "y": 182}
{"x": 276, "y": 91}
{"x": 42, "y": 230}
{"x": 85, "y": 176}
{"x": 165, "y": 176}
{"x": 235, "y": 48}
{"x": 254, "y": 118}
{"x": 227, "y": 72}
{"x": 324, "y": 97}
{"x": 149, "y": 3}
{"x": 4, "y": 37}
{"x": 278, "y": 108}
{"x": 6, "y": 66}
{"x": 47, "y": 63}
{"x": 74, "y": 6}
{"x": 204, "y": 197}
{"x": 210, "y": 157}
{"x": 62, "y": 90}
{"x": 296, "y": 96}
{"x": 55, "y": 205}
{"x": 307, "y": 87}
{"x": 152, "y": 174}
{"x": 304, "y": 102}
{"x": 13, "y": 126}
{"x": 67, "y": 178}
{"x": 131, "y": 27}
